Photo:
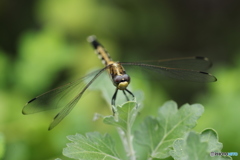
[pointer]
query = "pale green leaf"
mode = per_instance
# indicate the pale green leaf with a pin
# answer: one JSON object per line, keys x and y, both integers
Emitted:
{"x": 195, "y": 146}
{"x": 158, "y": 134}
{"x": 125, "y": 117}
{"x": 93, "y": 146}
{"x": 210, "y": 136}
{"x": 124, "y": 120}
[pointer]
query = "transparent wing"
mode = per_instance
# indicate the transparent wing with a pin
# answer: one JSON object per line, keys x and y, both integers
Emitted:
{"x": 188, "y": 69}
{"x": 193, "y": 63}
{"x": 65, "y": 96}
{"x": 54, "y": 98}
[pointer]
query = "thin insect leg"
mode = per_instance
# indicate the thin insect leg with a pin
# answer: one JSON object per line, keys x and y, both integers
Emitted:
{"x": 130, "y": 93}
{"x": 113, "y": 101}
{"x": 125, "y": 95}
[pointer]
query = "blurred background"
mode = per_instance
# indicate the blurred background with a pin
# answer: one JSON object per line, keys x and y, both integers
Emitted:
{"x": 43, "y": 45}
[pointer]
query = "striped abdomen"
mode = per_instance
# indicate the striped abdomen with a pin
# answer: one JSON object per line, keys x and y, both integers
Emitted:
{"x": 100, "y": 51}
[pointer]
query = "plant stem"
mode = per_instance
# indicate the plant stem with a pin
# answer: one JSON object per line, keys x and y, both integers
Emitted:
{"x": 127, "y": 140}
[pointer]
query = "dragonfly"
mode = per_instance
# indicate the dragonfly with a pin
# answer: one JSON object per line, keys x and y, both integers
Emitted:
{"x": 188, "y": 69}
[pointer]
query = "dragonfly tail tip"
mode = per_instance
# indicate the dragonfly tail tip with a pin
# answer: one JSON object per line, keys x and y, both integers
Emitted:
{"x": 91, "y": 38}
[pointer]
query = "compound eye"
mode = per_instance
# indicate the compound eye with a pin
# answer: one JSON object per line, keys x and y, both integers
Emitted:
{"x": 118, "y": 79}
{"x": 126, "y": 77}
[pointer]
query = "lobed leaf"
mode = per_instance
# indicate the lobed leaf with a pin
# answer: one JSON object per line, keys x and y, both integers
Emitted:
{"x": 93, "y": 146}
{"x": 197, "y": 146}
{"x": 158, "y": 134}
{"x": 210, "y": 136}
{"x": 126, "y": 115}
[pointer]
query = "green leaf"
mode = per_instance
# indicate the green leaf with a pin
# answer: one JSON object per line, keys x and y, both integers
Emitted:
{"x": 158, "y": 134}
{"x": 192, "y": 148}
{"x": 124, "y": 120}
{"x": 197, "y": 147}
{"x": 93, "y": 146}
{"x": 210, "y": 136}
{"x": 126, "y": 115}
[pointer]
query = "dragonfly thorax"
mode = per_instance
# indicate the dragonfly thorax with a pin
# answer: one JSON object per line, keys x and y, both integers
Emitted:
{"x": 121, "y": 81}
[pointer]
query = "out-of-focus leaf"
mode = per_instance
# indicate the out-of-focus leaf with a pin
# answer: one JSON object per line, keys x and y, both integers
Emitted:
{"x": 2, "y": 145}
{"x": 197, "y": 147}
{"x": 37, "y": 48}
{"x": 93, "y": 146}
{"x": 159, "y": 133}
{"x": 4, "y": 69}
{"x": 211, "y": 137}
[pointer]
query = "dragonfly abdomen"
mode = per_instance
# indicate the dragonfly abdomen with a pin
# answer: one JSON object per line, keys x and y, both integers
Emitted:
{"x": 100, "y": 51}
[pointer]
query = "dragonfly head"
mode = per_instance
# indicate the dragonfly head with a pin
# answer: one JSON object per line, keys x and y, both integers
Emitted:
{"x": 121, "y": 81}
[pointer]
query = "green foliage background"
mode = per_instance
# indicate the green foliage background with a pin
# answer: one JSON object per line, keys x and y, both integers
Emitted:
{"x": 43, "y": 45}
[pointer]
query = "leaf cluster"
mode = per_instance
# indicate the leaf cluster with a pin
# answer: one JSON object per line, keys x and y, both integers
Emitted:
{"x": 167, "y": 135}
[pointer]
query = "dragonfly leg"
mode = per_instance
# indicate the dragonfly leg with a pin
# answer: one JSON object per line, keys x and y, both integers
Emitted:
{"x": 125, "y": 95}
{"x": 113, "y": 101}
{"x": 130, "y": 93}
